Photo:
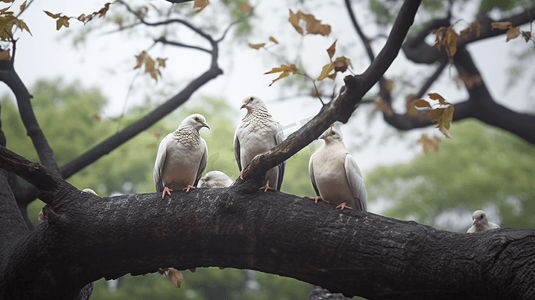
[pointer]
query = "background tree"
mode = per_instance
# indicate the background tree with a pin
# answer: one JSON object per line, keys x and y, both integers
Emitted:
{"x": 487, "y": 168}
{"x": 265, "y": 234}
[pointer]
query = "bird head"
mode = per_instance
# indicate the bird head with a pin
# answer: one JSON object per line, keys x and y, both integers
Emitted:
{"x": 252, "y": 102}
{"x": 197, "y": 121}
{"x": 330, "y": 135}
{"x": 478, "y": 216}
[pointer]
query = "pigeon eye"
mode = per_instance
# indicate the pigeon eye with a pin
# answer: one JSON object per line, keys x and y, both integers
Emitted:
{"x": 196, "y": 118}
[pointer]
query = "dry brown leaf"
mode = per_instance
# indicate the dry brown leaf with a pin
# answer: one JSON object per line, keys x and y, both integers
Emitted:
{"x": 140, "y": 59}
{"x": 257, "y": 46}
{"x": 161, "y": 62}
{"x": 286, "y": 71}
{"x": 421, "y": 103}
{"x": 325, "y": 71}
{"x": 245, "y": 8}
{"x": 331, "y": 50}
{"x": 272, "y": 39}
{"x": 438, "y": 97}
{"x": 512, "y": 33}
{"x": 102, "y": 12}
{"x": 314, "y": 26}
{"x": 155, "y": 132}
{"x": 501, "y": 25}
{"x": 53, "y": 16}
{"x": 199, "y": 5}
{"x": 389, "y": 85}
{"x": 443, "y": 117}
{"x": 466, "y": 32}
{"x": 5, "y": 55}
{"x": 526, "y": 35}
{"x": 176, "y": 277}
{"x": 294, "y": 20}
{"x": 383, "y": 106}
{"x": 476, "y": 27}
{"x": 96, "y": 117}
{"x": 342, "y": 63}
{"x": 409, "y": 105}
{"x": 429, "y": 143}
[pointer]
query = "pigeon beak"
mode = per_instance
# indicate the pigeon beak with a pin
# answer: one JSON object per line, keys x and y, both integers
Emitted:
{"x": 205, "y": 125}
{"x": 243, "y": 105}
{"x": 475, "y": 220}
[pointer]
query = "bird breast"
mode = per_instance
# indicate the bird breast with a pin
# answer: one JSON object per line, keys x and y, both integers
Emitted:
{"x": 182, "y": 171}
{"x": 327, "y": 174}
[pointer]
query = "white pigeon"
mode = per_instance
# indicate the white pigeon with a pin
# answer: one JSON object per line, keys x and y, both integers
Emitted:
{"x": 335, "y": 175}
{"x": 214, "y": 179}
{"x": 88, "y": 190}
{"x": 181, "y": 157}
{"x": 258, "y": 133}
{"x": 481, "y": 223}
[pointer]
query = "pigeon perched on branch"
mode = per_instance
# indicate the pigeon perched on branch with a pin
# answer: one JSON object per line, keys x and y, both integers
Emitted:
{"x": 335, "y": 175}
{"x": 214, "y": 179}
{"x": 181, "y": 157}
{"x": 258, "y": 133}
{"x": 481, "y": 223}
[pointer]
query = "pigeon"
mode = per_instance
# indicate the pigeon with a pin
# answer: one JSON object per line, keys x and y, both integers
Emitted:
{"x": 258, "y": 133}
{"x": 335, "y": 175}
{"x": 214, "y": 179}
{"x": 181, "y": 157}
{"x": 88, "y": 190}
{"x": 481, "y": 223}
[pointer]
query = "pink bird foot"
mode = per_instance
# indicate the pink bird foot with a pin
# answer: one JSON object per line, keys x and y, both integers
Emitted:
{"x": 316, "y": 199}
{"x": 166, "y": 190}
{"x": 343, "y": 205}
{"x": 266, "y": 187}
{"x": 241, "y": 174}
{"x": 189, "y": 187}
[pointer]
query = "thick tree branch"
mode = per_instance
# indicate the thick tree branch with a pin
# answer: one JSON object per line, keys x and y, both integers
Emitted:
{"x": 486, "y": 109}
{"x": 34, "y": 173}
{"x": 353, "y": 252}
{"x": 13, "y": 221}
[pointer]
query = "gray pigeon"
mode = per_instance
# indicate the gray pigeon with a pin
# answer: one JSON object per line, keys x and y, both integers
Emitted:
{"x": 181, "y": 157}
{"x": 258, "y": 133}
{"x": 214, "y": 179}
{"x": 335, "y": 175}
{"x": 481, "y": 223}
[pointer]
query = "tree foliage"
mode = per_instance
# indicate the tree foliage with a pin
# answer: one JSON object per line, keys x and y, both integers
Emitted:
{"x": 480, "y": 167}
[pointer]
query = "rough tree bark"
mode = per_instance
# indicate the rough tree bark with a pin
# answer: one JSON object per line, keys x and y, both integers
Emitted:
{"x": 86, "y": 237}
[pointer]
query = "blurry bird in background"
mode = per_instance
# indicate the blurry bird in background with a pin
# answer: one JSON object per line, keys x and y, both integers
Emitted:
{"x": 481, "y": 223}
